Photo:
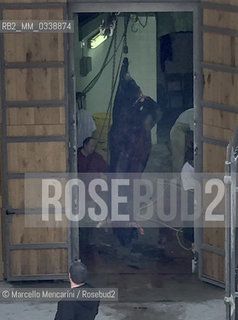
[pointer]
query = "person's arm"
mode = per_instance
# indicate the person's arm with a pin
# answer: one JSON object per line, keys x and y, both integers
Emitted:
{"x": 64, "y": 312}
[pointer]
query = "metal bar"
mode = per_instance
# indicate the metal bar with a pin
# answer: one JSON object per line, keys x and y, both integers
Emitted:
{"x": 210, "y": 175}
{"x": 30, "y": 211}
{"x": 207, "y": 247}
{"x": 74, "y": 226}
{"x": 219, "y": 106}
{"x": 64, "y": 276}
{"x": 227, "y": 228}
{"x": 219, "y": 6}
{"x": 133, "y": 6}
{"x": 233, "y": 233}
{"x": 102, "y": 2}
{"x": 34, "y": 138}
{"x": 29, "y": 246}
{"x": 32, "y": 65}
{"x": 67, "y": 124}
{"x": 233, "y": 219}
{"x": 198, "y": 121}
{"x": 231, "y": 228}
{"x": 66, "y": 72}
{"x": 198, "y": 89}
{"x": 4, "y": 153}
{"x": 217, "y": 142}
{"x": 213, "y": 281}
{"x": 38, "y": 5}
{"x": 15, "y": 175}
{"x": 21, "y": 175}
{"x": 38, "y": 103}
{"x": 47, "y": 174}
{"x": 219, "y": 67}
{"x": 229, "y": 32}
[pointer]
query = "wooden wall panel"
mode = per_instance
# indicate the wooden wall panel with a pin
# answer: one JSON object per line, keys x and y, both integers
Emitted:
{"x": 220, "y": 118}
{"x": 229, "y": 2}
{"x": 215, "y": 236}
{"x": 49, "y": 232}
{"x": 217, "y": 133}
{"x": 16, "y": 193}
{"x": 213, "y": 158}
{"x": 220, "y": 87}
{"x": 34, "y": 13}
{"x": 219, "y": 124}
{"x": 34, "y": 84}
{"x": 32, "y": 47}
{"x": 236, "y": 52}
{"x": 26, "y": 80}
{"x": 218, "y": 48}
{"x": 33, "y": 262}
{"x": 36, "y": 130}
{"x": 36, "y": 121}
{"x": 36, "y": 156}
{"x": 213, "y": 266}
{"x": 35, "y": 116}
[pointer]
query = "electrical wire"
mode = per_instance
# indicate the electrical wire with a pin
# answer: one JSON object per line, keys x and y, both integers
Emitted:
{"x": 180, "y": 242}
{"x": 108, "y": 112}
{"x": 110, "y": 105}
{"x": 146, "y": 22}
{"x": 105, "y": 62}
{"x": 178, "y": 231}
{"x": 138, "y": 21}
{"x": 98, "y": 75}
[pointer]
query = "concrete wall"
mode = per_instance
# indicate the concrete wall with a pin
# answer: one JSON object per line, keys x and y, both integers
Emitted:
{"x": 175, "y": 23}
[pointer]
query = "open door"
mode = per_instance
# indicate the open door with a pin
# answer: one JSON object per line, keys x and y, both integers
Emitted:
{"x": 219, "y": 117}
{"x": 34, "y": 102}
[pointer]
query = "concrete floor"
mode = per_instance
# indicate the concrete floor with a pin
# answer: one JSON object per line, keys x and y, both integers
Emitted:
{"x": 176, "y": 298}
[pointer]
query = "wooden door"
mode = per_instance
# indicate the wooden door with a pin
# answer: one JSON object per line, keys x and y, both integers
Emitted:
{"x": 35, "y": 138}
{"x": 220, "y": 113}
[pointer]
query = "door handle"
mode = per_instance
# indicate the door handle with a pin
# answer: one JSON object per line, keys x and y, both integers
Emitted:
{"x": 10, "y": 212}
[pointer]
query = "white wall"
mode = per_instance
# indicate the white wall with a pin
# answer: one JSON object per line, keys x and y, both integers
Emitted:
{"x": 142, "y": 58}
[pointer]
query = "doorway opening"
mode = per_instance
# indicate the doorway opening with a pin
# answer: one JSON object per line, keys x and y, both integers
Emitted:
{"x": 159, "y": 49}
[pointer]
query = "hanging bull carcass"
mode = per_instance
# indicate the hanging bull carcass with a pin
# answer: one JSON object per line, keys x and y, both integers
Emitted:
{"x": 134, "y": 115}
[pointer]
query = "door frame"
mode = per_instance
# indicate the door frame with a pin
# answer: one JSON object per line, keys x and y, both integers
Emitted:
{"x": 74, "y": 7}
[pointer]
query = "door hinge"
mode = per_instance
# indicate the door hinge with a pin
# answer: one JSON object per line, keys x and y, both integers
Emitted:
{"x": 10, "y": 212}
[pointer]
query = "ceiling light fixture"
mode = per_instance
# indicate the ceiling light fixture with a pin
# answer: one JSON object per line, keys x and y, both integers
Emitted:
{"x": 98, "y": 39}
